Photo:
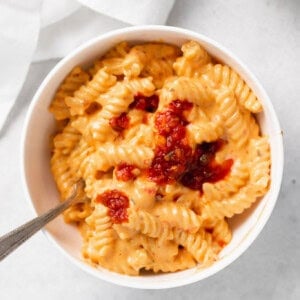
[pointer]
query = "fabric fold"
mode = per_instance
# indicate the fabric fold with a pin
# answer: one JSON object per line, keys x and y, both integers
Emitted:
{"x": 19, "y": 30}
{"x": 44, "y": 29}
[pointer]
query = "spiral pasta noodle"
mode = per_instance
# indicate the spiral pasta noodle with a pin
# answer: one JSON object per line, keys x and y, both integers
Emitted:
{"x": 100, "y": 237}
{"x": 224, "y": 75}
{"x": 196, "y": 244}
{"x": 72, "y": 82}
{"x": 148, "y": 224}
{"x": 234, "y": 122}
{"x": 88, "y": 93}
{"x": 194, "y": 61}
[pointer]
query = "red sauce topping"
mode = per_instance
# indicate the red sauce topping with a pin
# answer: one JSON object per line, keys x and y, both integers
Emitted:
{"x": 145, "y": 119}
{"x": 170, "y": 159}
{"x": 209, "y": 230}
{"x": 119, "y": 123}
{"x": 174, "y": 159}
{"x": 117, "y": 203}
{"x": 175, "y": 198}
{"x": 145, "y": 103}
{"x": 203, "y": 167}
{"x": 222, "y": 244}
{"x": 124, "y": 172}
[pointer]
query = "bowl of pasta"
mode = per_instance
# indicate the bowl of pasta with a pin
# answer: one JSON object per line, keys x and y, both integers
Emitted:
{"x": 179, "y": 148}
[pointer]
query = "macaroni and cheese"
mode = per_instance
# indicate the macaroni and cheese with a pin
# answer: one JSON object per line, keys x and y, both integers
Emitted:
{"x": 167, "y": 143}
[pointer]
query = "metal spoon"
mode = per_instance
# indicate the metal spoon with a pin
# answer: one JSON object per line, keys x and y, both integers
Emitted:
{"x": 12, "y": 240}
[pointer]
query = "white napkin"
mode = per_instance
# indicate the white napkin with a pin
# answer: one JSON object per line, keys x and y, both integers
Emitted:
{"x": 19, "y": 29}
{"x": 34, "y": 30}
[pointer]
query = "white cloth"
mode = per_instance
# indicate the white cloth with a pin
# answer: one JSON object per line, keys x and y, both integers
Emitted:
{"x": 35, "y": 30}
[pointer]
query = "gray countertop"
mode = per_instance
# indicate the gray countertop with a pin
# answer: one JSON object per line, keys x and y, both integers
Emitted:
{"x": 265, "y": 34}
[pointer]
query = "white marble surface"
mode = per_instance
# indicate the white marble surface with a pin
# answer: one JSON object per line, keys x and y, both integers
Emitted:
{"x": 265, "y": 34}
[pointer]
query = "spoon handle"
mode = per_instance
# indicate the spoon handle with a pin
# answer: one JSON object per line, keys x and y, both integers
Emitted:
{"x": 12, "y": 240}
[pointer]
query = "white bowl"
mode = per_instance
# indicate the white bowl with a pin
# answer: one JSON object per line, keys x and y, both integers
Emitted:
{"x": 41, "y": 191}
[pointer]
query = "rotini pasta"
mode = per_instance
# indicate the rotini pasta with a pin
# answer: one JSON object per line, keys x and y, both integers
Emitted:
{"x": 66, "y": 141}
{"x": 234, "y": 122}
{"x": 168, "y": 146}
{"x": 199, "y": 245}
{"x": 115, "y": 102}
{"x": 224, "y": 75}
{"x": 64, "y": 176}
{"x": 194, "y": 61}
{"x": 73, "y": 82}
{"x": 221, "y": 234}
{"x": 224, "y": 188}
{"x": 108, "y": 156}
{"x": 183, "y": 88}
{"x": 77, "y": 213}
{"x": 183, "y": 260}
{"x": 260, "y": 166}
{"x": 100, "y": 236}
{"x": 88, "y": 93}
{"x": 178, "y": 216}
{"x": 206, "y": 131}
{"x": 149, "y": 225}
{"x": 230, "y": 206}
